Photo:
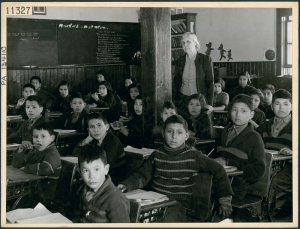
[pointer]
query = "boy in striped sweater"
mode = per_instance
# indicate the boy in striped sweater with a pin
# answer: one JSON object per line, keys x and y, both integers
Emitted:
{"x": 277, "y": 135}
{"x": 173, "y": 168}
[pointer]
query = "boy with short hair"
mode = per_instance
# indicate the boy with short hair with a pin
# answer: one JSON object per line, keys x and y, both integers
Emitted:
{"x": 19, "y": 108}
{"x": 268, "y": 90}
{"x": 34, "y": 109}
{"x": 42, "y": 159}
{"x": 44, "y": 95}
{"x": 172, "y": 170}
{"x": 168, "y": 109}
{"x": 241, "y": 146}
{"x": 259, "y": 116}
{"x": 277, "y": 135}
{"x": 98, "y": 200}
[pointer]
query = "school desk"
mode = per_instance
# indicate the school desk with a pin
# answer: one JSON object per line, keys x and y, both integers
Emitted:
{"x": 52, "y": 115}
{"x": 19, "y": 183}
{"x": 10, "y": 148}
{"x": 278, "y": 160}
{"x": 220, "y": 118}
{"x": 65, "y": 142}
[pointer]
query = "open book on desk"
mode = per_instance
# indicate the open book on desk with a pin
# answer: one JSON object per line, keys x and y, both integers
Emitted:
{"x": 40, "y": 214}
{"x": 145, "y": 197}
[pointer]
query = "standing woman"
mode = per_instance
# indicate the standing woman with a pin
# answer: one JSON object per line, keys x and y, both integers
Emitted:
{"x": 193, "y": 74}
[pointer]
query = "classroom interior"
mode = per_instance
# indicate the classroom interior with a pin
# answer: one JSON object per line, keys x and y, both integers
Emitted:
{"x": 257, "y": 38}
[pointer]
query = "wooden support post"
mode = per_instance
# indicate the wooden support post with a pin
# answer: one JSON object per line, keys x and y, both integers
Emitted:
{"x": 156, "y": 61}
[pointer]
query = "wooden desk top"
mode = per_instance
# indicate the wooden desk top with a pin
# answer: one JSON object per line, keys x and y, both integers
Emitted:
{"x": 18, "y": 176}
{"x": 70, "y": 135}
{"x": 204, "y": 141}
{"x": 73, "y": 160}
{"x": 12, "y": 147}
{"x": 279, "y": 157}
{"x": 235, "y": 173}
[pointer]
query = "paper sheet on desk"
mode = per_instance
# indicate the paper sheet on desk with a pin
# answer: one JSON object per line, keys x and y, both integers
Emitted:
{"x": 143, "y": 151}
{"x": 25, "y": 213}
{"x": 146, "y": 198}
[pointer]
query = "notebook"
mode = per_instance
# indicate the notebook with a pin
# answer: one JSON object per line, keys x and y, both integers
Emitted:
{"x": 40, "y": 214}
{"x": 145, "y": 197}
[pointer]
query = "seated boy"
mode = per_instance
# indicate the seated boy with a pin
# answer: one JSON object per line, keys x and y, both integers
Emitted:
{"x": 101, "y": 135}
{"x": 168, "y": 109}
{"x": 172, "y": 170}
{"x": 19, "y": 108}
{"x": 34, "y": 109}
{"x": 241, "y": 146}
{"x": 268, "y": 90}
{"x": 42, "y": 159}
{"x": 44, "y": 95}
{"x": 98, "y": 200}
{"x": 277, "y": 135}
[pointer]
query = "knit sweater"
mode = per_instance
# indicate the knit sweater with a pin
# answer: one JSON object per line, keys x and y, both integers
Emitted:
{"x": 41, "y": 163}
{"x": 201, "y": 125}
{"x": 221, "y": 99}
{"x": 23, "y": 133}
{"x": 240, "y": 90}
{"x": 284, "y": 139}
{"x": 259, "y": 116}
{"x": 111, "y": 145}
{"x": 108, "y": 205}
{"x": 173, "y": 172}
{"x": 245, "y": 151}
{"x": 80, "y": 125}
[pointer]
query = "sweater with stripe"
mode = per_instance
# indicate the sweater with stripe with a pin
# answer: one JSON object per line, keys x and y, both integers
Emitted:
{"x": 245, "y": 151}
{"x": 41, "y": 163}
{"x": 284, "y": 139}
{"x": 173, "y": 172}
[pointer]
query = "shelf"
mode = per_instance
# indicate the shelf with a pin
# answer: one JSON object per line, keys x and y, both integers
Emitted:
{"x": 177, "y": 34}
{"x": 176, "y": 48}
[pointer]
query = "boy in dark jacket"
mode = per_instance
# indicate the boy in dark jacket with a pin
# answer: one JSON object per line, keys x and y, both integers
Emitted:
{"x": 172, "y": 170}
{"x": 101, "y": 135}
{"x": 241, "y": 146}
{"x": 42, "y": 159}
{"x": 34, "y": 109}
{"x": 98, "y": 200}
{"x": 277, "y": 135}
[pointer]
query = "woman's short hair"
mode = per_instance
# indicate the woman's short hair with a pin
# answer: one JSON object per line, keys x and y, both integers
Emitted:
{"x": 107, "y": 85}
{"x": 193, "y": 37}
{"x": 220, "y": 81}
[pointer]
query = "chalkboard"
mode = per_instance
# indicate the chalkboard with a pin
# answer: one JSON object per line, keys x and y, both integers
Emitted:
{"x": 87, "y": 42}
{"x": 61, "y": 42}
{"x": 31, "y": 42}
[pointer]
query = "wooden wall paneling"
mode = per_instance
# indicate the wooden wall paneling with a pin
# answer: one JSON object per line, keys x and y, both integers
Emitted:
{"x": 18, "y": 81}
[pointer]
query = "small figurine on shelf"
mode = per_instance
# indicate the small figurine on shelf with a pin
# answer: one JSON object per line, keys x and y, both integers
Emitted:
{"x": 229, "y": 55}
{"x": 136, "y": 59}
{"x": 209, "y": 48}
{"x": 222, "y": 51}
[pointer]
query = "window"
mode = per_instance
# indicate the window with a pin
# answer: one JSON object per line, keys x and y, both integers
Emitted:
{"x": 285, "y": 39}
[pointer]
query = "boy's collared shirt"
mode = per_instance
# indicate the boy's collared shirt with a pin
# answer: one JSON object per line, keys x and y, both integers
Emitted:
{"x": 234, "y": 131}
{"x": 279, "y": 124}
{"x": 31, "y": 122}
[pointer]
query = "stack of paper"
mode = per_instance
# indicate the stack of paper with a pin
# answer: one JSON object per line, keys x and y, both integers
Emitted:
{"x": 40, "y": 214}
{"x": 143, "y": 151}
{"x": 146, "y": 198}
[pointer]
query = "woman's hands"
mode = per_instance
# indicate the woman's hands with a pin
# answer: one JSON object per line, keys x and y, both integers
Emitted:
{"x": 210, "y": 109}
{"x": 95, "y": 96}
{"x": 122, "y": 187}
{"x": 124, "y": 131}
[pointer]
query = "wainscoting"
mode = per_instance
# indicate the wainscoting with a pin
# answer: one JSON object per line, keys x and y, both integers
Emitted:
{"x": 80, "y": 78}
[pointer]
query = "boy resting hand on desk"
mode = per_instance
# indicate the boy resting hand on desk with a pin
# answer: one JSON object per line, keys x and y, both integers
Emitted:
{"x": 172, "y": 170}
{"x": 277, "y": 135}
{"x": 34, "y": 109}
{"x": 241, "y": 146}
{"x": 42, "y": 160}
{"x": 98, "y": 200}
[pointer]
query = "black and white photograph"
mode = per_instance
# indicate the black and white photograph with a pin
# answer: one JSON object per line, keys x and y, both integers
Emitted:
{"x": 178, "y": 114}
